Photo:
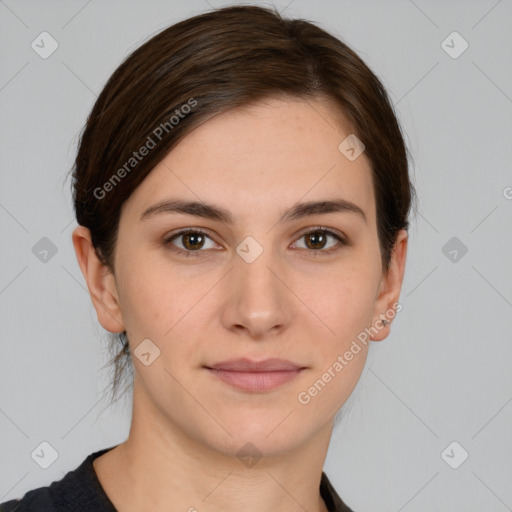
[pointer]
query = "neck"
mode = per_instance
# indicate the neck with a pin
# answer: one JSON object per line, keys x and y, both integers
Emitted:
{"x": 160, "y": 464}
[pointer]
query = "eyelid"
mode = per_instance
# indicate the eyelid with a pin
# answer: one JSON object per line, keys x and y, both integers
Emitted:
{"x": 325, "y": 229}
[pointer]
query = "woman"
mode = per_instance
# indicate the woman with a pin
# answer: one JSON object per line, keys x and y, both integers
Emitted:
{"x": 242, "y": 193}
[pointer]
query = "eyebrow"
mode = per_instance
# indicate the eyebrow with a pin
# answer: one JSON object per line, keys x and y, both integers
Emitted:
{"x": 213, "y": 212}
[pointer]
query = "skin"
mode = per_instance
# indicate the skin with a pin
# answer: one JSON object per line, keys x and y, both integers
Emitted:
{"x": 291, "y": 302}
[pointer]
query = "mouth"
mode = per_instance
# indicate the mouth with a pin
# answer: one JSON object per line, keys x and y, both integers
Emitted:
{"x": 251, "y": 376}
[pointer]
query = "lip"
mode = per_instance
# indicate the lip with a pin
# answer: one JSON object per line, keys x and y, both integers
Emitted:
{"x": 247, "y": 365}
{"x": 256, "y": 376}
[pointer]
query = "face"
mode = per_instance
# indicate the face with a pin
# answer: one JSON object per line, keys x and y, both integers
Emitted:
{"x": 258, "y": 282}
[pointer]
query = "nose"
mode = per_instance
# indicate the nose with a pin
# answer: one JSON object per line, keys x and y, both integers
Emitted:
{"x": 259, "y": 302}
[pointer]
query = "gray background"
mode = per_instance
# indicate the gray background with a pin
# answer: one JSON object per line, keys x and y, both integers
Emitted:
{"x": 443, "y": 375}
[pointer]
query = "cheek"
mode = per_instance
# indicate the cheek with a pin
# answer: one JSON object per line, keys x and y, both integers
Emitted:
{"x": 345, "y": 300}
{"x": 343, "y": 354}
{"x": 159, "y": 301}
{"x": 354, "y": 308}
{"x": 147, "y": 297}
{"x": 346, "y": 308}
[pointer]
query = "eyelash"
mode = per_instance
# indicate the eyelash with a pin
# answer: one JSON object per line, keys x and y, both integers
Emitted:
{"x": 318, "y": 229}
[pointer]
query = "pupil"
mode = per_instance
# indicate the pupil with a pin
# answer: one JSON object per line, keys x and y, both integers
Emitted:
{"x": 317, "y": 238}
{"x": 194, "y": 238}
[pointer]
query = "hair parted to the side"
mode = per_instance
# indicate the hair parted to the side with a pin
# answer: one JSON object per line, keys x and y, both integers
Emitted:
{"x": 213, "y": 62}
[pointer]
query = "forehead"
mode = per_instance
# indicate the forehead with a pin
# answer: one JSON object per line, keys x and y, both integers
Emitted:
{"x": 261, "y": 158}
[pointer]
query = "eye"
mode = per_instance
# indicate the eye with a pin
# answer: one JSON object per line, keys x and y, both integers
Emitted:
{"x": 192, "y": 241}
{"x": 316, "y": 240}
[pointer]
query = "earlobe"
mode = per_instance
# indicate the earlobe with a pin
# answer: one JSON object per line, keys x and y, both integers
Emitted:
{"x": 100, "y": 281}
{"x": 387, "y": 304}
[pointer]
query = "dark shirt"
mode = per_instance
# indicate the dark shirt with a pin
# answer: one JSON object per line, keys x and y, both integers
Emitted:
{"x": 80, "y": 491}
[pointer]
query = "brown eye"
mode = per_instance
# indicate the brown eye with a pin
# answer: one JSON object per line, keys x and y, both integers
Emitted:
{"x": 192, "y": 241}
{"x": 317, "y": 240}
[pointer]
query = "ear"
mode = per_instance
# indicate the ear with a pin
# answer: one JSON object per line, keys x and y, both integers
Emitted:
{"x": 100, "y": 281}
{"x": 387, "y": 303}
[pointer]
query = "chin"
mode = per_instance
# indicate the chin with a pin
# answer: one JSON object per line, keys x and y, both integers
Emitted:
{"x": 249, "y": 447}
{"x": 270, "y": 436}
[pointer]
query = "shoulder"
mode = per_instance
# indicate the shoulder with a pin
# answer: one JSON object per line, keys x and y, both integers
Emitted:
{"x": 79, "y": 490}
{"x": 36, "y": 500}
{"x": 331, "y": 498}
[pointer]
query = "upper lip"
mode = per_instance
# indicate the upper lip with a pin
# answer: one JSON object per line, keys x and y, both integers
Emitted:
{"x": 246, "y": 365}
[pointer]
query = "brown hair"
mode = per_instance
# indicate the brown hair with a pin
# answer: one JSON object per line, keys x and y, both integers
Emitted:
{"x": 209, "y": 64}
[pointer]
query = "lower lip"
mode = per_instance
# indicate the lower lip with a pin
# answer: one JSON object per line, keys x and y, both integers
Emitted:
{"x": 255, "y": 381}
